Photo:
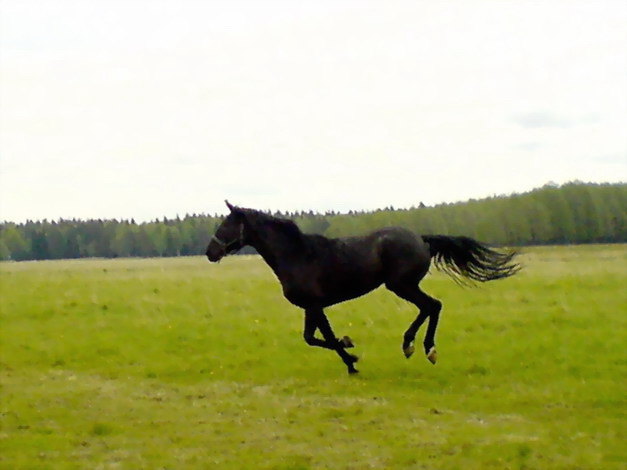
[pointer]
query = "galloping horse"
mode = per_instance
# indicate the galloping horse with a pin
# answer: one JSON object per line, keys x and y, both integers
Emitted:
{"x": 316, "y": 272}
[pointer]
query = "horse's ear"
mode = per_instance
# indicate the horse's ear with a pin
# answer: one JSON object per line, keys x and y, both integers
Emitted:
{"x": 237, "y": 211}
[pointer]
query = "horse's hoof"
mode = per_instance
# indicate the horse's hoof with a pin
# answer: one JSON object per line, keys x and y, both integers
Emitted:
{"x": 432, "y": 355}
{"x": 353, "y": 371}
{"x": 346, "y": 342}
{"x": 409, "y": 350}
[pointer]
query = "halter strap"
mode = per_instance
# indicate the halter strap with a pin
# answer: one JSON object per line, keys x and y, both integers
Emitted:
{"x": 226, "y": 245}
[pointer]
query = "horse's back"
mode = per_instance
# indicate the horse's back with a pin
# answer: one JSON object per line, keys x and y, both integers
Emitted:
{"x": 384, "y": 254}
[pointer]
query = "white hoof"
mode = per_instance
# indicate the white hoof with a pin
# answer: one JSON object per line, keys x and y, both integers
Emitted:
{"x": 432, "y": 355}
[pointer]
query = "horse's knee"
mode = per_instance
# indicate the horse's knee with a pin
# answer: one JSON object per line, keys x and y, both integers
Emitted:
{"x": 309, "y": 339}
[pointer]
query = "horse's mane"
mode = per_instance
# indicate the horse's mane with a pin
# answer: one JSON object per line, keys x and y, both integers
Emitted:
{"x": 259, "y": 220}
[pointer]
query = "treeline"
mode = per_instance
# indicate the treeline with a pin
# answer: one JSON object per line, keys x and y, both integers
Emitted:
{"x": 572, "y": 213}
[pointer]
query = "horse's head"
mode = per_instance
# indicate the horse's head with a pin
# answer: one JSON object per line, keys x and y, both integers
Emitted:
{"x": 229, "y": 237}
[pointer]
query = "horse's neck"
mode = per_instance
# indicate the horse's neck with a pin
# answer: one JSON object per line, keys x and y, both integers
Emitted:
{"x": 267, "y": 253}
{"x": 272, "y": 249}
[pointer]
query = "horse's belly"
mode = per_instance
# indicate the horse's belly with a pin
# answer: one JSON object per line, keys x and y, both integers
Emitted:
{"x": 350, "y": 285}
{"x": 301, "y": 297}
{"x": 327, "y": 291}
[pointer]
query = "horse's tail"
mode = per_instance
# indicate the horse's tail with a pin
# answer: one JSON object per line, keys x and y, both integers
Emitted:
{"x": 463, "y": 257}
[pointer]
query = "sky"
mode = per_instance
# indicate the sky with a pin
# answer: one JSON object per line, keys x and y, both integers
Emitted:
{"x": 144, "y": 109}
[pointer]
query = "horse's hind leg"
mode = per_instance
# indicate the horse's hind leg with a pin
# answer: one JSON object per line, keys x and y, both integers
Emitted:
{"x": 429, "y": 308}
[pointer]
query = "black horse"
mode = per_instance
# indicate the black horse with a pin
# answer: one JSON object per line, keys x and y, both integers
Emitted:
{"x": 317, "y": 272}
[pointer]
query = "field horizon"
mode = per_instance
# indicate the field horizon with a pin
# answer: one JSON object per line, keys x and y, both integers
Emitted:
{"x": 179, "y": 363}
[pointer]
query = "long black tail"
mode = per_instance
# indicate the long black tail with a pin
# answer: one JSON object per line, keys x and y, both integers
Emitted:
{"x": 463, "y": 257}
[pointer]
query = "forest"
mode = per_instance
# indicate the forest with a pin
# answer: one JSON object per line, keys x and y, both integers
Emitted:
{"x": 574, "y": 213}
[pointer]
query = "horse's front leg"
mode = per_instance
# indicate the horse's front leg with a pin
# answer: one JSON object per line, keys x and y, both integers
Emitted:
{"x": 316, "y": 319}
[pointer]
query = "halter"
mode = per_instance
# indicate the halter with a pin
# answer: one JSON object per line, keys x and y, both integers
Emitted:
{"x": 226, "y": 246}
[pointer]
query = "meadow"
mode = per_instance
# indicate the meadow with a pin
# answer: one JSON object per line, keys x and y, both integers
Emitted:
{"x": 177, "y": 363}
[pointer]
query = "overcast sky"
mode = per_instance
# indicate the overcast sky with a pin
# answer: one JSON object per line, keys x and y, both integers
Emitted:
{"x": 120, "y": 109}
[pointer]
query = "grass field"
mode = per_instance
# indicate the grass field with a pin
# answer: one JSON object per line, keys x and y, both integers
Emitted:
{"x": 177, "y": 363}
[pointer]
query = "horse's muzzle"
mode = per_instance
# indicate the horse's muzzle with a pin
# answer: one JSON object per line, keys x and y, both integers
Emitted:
{"x": 214, "y": 255}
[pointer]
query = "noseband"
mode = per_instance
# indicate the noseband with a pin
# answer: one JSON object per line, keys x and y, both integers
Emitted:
{"x": 226, "y": 246}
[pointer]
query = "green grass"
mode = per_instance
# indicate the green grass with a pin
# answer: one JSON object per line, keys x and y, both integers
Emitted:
{"x": 177, "y": 363}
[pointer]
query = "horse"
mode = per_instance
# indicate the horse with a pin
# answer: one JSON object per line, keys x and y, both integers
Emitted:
{"x": 316, "y": 272}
